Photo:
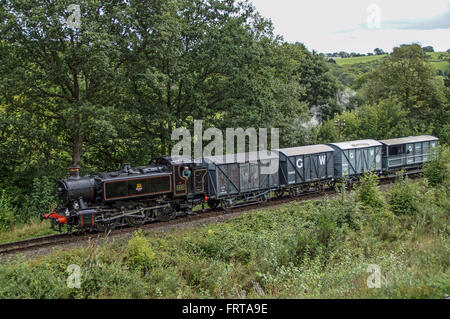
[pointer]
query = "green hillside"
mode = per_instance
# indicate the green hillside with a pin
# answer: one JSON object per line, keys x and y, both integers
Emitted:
{"x": 439, "y": 60}
{"x": 348, "y": 70}
{"x": 359, "y": 59}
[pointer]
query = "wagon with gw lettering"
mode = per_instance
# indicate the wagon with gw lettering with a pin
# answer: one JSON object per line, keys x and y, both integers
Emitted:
{"x": 305, "y": 167}
{"x": 354, "y": 158}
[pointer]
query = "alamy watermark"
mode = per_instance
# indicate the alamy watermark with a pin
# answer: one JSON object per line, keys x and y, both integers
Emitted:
{"x": 257, "y": 145}
{"x": 375, "y": 279}
{"x": 74, "y": 278}
{"x": 74, "y": 20}
{"x": 374, "y": 18}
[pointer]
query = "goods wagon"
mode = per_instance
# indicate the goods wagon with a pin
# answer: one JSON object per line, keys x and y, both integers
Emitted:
{"x": 407, "y": 152}
{"x": 241, "y": 177}
{"x": 305, "y": 164}
{"x": 356, "y": 157}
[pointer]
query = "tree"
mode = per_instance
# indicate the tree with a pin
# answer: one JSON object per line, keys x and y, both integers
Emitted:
{"x": 379, "y": 51}
{"x": 344, "y": 54}
{"x": 382, "y": 120}
{"x": 319, "y": 85}
{"x": 407, "y": 77}
{"x": 65, "y": 77}
{"x": 216, "y": 61}
{"x": 116, "y": 87}
{"x": 428, "y": 49}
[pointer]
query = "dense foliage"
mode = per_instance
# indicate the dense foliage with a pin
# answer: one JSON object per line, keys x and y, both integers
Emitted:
{"x": 436, "y": 169}
{"x": 313, "y": 249}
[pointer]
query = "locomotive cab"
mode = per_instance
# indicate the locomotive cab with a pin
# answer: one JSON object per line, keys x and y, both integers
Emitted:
{"x": 185, "y": 185}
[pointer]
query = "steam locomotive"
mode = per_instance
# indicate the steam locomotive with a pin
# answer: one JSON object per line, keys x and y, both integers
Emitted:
{"x": 160, "y": 191}
{"x": 131, "y": 196}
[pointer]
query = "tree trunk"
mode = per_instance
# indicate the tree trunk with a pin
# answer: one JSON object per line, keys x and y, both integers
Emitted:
{"x": 77, "y": 147}
{"x": 163, "y": 138}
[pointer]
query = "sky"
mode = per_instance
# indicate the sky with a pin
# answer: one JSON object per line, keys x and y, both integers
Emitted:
{"x": 359, "y": 25}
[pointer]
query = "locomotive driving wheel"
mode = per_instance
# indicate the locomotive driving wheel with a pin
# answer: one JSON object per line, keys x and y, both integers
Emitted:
{"x": 134, "y": 222}
{"x": 332, "y": 184}
{"x": 293, "y": 192}
{"x": 166, "y": 214}
{"x": 105, "y": 227}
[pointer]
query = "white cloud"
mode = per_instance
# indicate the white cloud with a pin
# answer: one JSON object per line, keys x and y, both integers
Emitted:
{"x": 329, "y": 26}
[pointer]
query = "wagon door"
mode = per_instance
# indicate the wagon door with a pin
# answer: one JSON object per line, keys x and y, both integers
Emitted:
{"x": 244, "y": 176}
{"x": 352, "y": 161}
{"x": 254, "y": 176}
{"x": 409, "y": 154}
{"x": 418, "y": 153}
{"x": 425, "y": 150}
{"x": 291, "y": 169}
{"x": 360, "y": 155}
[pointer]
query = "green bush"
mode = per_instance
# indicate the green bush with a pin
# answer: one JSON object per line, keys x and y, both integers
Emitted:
{"x": 6, "y": 212}
{"x": 404, "y": 197}
{"x": 140, "y": 254}
{"x": 367, "y": 191}
{"x": 40, "y": 201}
{"x": 436, "y": 170}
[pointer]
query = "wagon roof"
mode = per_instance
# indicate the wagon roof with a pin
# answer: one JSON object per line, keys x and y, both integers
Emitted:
{"x": 241, "y": 157}
{"x": 409, "y": 139}
{"x": 356, "y": 144}
{"x": 304, "y": 150}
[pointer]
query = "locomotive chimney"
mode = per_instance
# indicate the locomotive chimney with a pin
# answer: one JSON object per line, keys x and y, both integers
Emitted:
{"x": 74, "y": 172}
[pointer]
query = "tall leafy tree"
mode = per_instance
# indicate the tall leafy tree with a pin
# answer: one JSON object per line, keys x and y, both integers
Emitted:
{"x": 210, "y": 60}
{"x": 406, "y": 76}
{"x": 320, "y": 87}
{"x": 64, "y": 77}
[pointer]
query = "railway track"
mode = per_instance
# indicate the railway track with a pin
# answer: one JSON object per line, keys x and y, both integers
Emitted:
{"x": 32, "y": 243}
{"x": 60, "y": 239}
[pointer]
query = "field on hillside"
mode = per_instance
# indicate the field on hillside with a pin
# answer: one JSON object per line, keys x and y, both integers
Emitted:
{"x": 349, "y": 70}
{"x": 331, "y": 248}
{"x": 359, "y": 59}
{"x": 440, "y": 61}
